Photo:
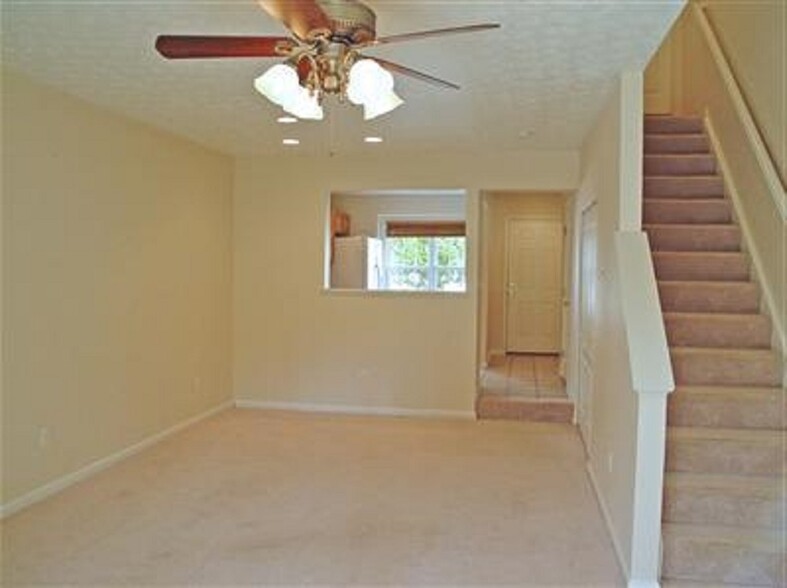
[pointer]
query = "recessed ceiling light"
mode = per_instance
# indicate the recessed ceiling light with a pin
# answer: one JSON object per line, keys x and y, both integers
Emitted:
{"x": 373, "y": 139}
{"x": 291, "y": 142}
{"x": 286, "y": 120}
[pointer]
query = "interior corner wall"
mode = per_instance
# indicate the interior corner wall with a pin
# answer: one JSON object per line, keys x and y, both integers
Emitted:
{"x": 613, "y": 409}
{"x": 116, "y": 278}
{"x": 298, "y": 345}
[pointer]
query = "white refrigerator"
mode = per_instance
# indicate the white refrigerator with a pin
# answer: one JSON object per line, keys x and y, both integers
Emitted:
{"x": 357, "y": 263}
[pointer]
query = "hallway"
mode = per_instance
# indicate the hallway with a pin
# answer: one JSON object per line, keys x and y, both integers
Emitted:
{"x": 525, "y": 374}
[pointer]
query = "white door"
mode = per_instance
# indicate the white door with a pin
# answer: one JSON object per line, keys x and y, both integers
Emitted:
{"x": 534, "y": 279}
{"x": 587, "y": 316}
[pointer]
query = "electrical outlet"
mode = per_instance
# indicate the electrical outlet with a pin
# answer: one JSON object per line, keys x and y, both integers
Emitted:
{"x": 610, "y": 462}
{"x": 43, "y": 437}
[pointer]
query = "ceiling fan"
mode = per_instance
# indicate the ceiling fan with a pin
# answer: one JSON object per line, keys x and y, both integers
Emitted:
{"x": 322, "y": 58}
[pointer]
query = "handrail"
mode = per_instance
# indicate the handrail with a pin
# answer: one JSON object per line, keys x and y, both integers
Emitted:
{"x": 767, "y": 166}
{"x": 652, "y": 381}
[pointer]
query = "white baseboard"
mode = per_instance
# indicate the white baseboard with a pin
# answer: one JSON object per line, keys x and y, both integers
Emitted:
{"x": 608, "y": 521}
{"x": 60, "y": 484}
{"x": 429, "y": 413}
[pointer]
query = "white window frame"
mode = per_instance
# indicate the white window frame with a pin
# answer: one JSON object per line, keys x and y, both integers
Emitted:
{"x": 382, "y": 224}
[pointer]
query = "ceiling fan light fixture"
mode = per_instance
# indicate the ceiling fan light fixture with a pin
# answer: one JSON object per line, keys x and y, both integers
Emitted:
{"x": 303, "y": 104}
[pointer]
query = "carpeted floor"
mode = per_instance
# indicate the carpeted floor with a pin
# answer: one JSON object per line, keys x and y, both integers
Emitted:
{"x": 252, "y": 497}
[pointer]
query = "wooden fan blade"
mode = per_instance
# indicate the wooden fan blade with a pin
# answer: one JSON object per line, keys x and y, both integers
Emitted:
{"x": 418, "y": 75}
{"x": 200, "y": 46}
{"x": 305, "y": 18}
{"x": 433, "y": 33}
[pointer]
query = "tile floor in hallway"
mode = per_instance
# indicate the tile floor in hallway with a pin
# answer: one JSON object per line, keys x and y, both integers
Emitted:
{"x": 255, "y": 497}
{"x": 527, "y": 375}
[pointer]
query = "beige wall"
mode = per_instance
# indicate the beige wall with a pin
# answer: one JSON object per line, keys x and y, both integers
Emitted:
{"x": 753, "y": 36}
{"x": 613, "y": 408}
{"x": 500, "y": 207}
{"x": 116, "y": 274}
{"x": 295, "y": 343}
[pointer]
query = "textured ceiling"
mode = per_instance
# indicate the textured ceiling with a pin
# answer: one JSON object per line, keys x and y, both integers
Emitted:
{"x": 536, "y": 83}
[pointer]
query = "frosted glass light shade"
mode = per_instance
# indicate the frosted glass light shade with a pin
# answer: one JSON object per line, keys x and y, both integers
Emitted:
{"x": 304, "y": 105}
{"x": 382, "y": 104}
{"x": 371, "y": 86}
{"x": 278, "y": 84}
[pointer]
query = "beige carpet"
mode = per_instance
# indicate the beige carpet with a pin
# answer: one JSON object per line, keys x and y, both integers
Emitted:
{"x": 250, "y": 497}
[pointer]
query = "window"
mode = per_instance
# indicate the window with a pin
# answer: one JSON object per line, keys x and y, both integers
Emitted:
{"x": 424, "y": 256}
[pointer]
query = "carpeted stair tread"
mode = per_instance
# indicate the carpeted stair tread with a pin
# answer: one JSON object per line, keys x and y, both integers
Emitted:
{"x": 715, "y": 266}
{"x": 693, "y": 237}
{"x": 751, "y": 557}
{"x": 683, "y": 187}
{"x": 679, "y": 164}
{"x": 709, "y": 297}
{"x": 712, "y": 499}
{"x": 658, "y": 124}
{"x": 756, "y": 407}
{"x": 747, "y": 452}
{"x": 691, "y": 211}
{"x": 676, "y": 143}
{"x": 723, "y": 330}
{"x": 734, "y": 367}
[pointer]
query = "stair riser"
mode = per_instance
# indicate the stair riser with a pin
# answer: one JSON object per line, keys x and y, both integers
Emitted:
{"x": 743, "y": 297}
{"x": 687, "y": 212}
{"x": 722, "y": 456}
{"x": 657, "y": 144}
{"x": 748, "y": 411}
{"x": 673, "y": 124}
{"x": 703, "y": 560}
{"x": 495, "y": 408}
{"x": 716, "y": 506}
{"x": 684, "y": 187}
{"x": 702, "y": 267}
{"x": 747, "y": 332}
{"x": 714, "y": 238}
{"x": 679, "y": 165}
{"x": 725, "y": 370}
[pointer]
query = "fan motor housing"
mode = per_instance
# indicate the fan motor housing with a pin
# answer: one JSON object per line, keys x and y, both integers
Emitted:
{"x": 352, "y": 22}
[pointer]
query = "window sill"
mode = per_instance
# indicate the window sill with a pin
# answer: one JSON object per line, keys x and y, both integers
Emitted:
{"x": 342, "y": 292}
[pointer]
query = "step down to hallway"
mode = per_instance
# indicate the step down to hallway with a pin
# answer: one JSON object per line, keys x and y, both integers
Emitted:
{"x": 682, "y": 164}
{"x": 693, "y": 237}
{"x": 695, "y": 329}
{"x": 727, "y": 407}
{"x": 740, "y": 452}
{"x": 711, "y": 186}
{"x": 494, "y": 406}
{"x": 725, "y": 367}
{"x": 706, "y": 553}
{"x": 714, "y": 266}
{"x": 745, "y": 501}
{"x": 708, "y": 297}
{"x": 676, "y": 143}
{"x": 698, "y": 211}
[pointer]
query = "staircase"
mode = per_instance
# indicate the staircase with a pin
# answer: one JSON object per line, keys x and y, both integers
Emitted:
{"x": 724, "y": 495}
